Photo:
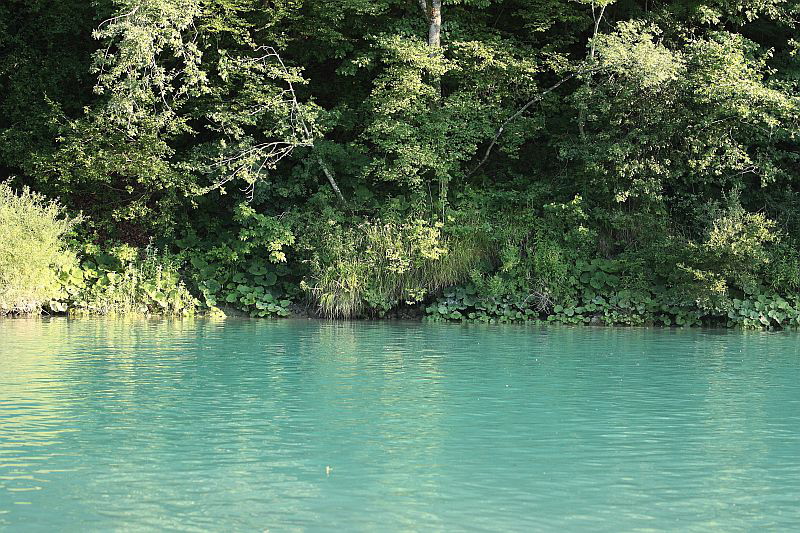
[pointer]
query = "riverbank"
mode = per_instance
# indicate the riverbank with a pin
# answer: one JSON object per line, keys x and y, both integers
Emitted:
{"x": 411, "y": 269}
{"x": 742, "y": 315}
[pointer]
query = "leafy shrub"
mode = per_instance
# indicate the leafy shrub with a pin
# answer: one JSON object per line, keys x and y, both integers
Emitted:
{"x": 32, "y": 250}
{"x": 734, "y": 252}
{"x": 255, "y": 290}
{"x": 124, "y": 280}
{"x": 605, "y": 295}
{"x": 244, "y": 269}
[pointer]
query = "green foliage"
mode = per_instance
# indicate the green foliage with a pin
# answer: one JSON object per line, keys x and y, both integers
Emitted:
{"x": 124, "y": 280}
{"x": 547, "y": 273}
{"x": 784, "y": 268}
{"x": 602, "y": 298}
{"x": 244, "y": 270}
{"x": 369, "y": 269}
{"x": 721, "y": 125}
{"x": 33, "y": 250}
{"x": 45, "y": 56}
{"x": 255, "y": 290}
{"x": 734, "y": 253}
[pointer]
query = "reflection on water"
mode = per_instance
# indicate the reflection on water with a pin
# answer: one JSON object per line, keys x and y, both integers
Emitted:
{"x": 307, "y": 425}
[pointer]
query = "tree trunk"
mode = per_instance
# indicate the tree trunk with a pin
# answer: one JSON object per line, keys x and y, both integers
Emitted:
{"x": 435, "y": 21}
{"x": 433, "y": 15}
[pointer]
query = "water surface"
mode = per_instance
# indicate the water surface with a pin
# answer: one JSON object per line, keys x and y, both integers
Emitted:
{"x": 305, "y": 425}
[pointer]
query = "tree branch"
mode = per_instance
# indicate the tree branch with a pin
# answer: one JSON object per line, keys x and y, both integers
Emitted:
{"x": 329, "y": 175}
{"x": 519, "y": 112}
{"x": 592, "y": 47}
{"x": 596, "y": 29}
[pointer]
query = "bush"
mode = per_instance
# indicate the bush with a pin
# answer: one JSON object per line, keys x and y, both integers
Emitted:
{"x": 609, "y": 292}
{"x": 735, "y": 252}
{"x": 241, "y": 267}
{"x": 32, "y": 250}
{"x": 125, "y": 280}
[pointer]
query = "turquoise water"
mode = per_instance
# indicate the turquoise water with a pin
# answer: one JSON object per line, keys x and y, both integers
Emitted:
{"x": 307, "y": 425}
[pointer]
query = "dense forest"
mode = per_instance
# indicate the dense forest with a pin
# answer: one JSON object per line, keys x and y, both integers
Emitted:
{"x": 619, "y": 162}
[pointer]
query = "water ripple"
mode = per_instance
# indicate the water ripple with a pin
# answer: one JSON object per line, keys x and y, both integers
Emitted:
{"x": 200, "y": 425}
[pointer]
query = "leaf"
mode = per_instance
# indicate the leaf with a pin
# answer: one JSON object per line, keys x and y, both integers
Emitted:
{"x": 198, "y": 262}
{"x": 257, "y": 270}
{"x": 212, "y": 285}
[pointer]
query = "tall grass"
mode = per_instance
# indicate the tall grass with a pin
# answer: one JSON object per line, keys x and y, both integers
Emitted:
{"x": 32, "y": 250}
{"x": 372, "y": 268}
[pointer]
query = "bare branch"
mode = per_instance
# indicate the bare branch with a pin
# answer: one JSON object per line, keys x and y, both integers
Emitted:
{"x": 329, "y": 175}
{"x": 118, "y": 17}
{"x": 597, "y": 20}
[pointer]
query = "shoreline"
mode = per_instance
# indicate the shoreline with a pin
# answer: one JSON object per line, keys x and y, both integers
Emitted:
{"x": 391, "y": 320}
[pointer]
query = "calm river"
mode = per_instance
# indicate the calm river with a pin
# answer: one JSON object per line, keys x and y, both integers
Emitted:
{"x": 240, "y": 425}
